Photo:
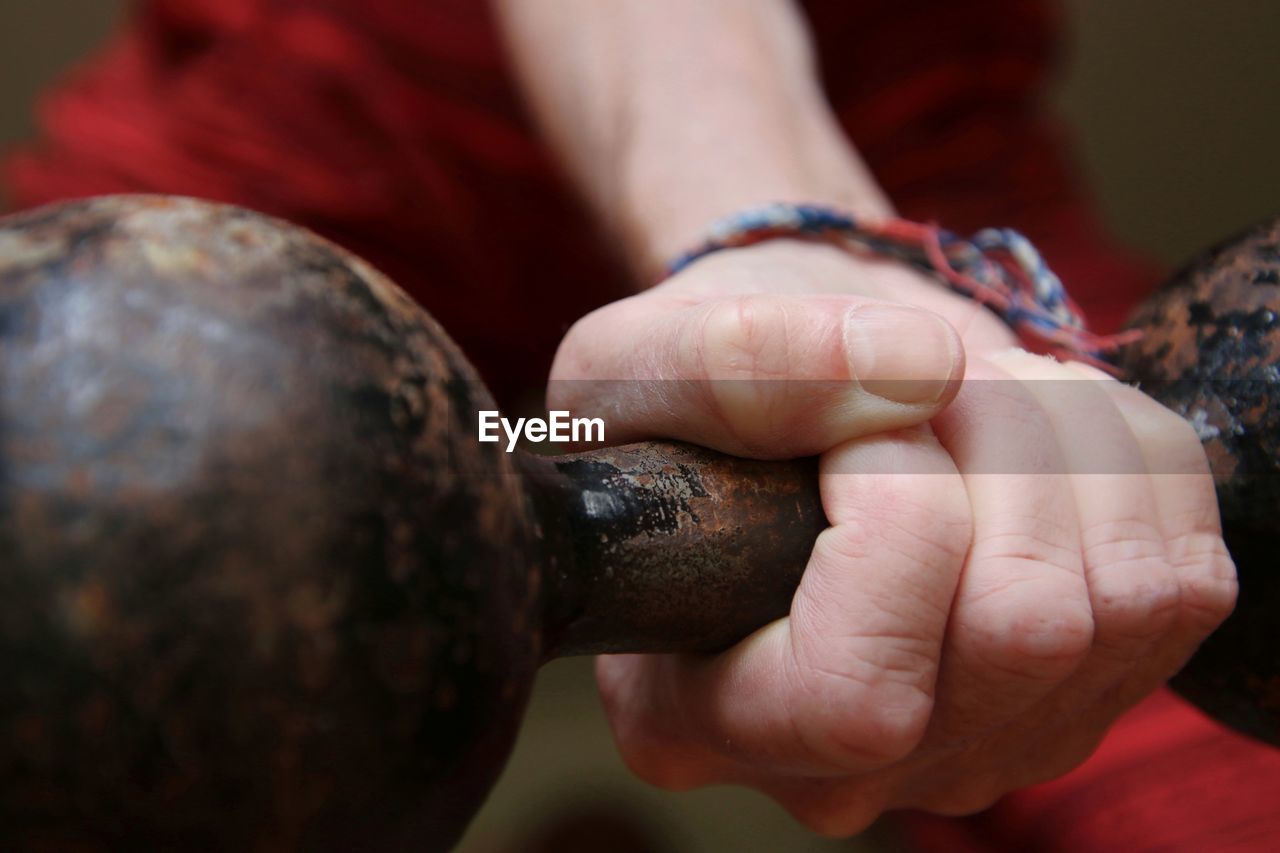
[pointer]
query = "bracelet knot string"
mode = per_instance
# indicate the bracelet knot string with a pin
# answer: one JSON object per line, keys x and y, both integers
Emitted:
{"x": 997, "y": 267}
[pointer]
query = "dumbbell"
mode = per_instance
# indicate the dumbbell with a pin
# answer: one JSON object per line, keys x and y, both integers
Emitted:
{"x": 261, "y": 587}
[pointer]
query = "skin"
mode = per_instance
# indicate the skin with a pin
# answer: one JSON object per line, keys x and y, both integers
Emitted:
{"x": 1020, "y": 549}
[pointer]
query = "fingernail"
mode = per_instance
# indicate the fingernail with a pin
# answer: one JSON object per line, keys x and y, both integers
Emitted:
{"x": 900, "y": 353}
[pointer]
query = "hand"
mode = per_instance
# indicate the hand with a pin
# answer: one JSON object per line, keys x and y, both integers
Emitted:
{"x": 998, "y": 584}
{"x": 779, "y": 350}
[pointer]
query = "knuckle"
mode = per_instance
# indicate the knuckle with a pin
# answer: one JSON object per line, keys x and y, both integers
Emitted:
{"x": 861, "y": 717}
{"x": 745, "y": 338}
{"x": 1032, "y": 646}
{"x": 1208, "y": 578}
{"x": 1137, "y": 609}
{"x": 1135, "y": 595}
{"x": 1029, "y": 627}
{"x": 743, "y": 352}
{"x": 887, "y": 732}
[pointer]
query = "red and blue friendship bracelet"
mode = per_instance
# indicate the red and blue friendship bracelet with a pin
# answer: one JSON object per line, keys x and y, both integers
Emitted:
{"x": 997, "y": 267}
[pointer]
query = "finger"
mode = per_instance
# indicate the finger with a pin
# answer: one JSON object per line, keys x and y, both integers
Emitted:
{"x": 845, "y": 683}
{"x": 1188, "y": 510}
{"x": 1121, "y": 668}
{"x": 1021, "y": 622}
{"x": 1065, "y": 729}
{"x": 1133, "y": 590}
{"x": 758, "y": 375}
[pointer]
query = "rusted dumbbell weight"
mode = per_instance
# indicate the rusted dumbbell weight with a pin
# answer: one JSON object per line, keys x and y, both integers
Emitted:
{"x": 261, "y": 588}
{"x": 1210, "y": 351}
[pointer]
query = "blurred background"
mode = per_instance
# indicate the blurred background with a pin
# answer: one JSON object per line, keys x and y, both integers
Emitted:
{"x": 1174, "y": 104}
{"x": 1175, "y": 109}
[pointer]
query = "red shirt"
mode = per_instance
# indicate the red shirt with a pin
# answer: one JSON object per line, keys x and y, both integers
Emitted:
{"x": 392, "y": 126}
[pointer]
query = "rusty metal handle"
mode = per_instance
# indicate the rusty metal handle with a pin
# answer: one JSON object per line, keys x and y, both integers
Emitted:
{"x": 663, "y": 547}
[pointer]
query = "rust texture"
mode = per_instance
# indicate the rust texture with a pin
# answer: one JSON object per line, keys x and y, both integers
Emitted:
{"x": 246, "y": 601}
{"x": 669, "y": 547}
{"x": 1211, "y": 353}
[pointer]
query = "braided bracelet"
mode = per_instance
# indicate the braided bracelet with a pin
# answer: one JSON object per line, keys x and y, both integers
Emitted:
{"x": 997, "y": 267}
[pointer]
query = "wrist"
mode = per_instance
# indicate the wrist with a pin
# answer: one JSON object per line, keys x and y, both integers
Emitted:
{"x": 672, "y": 183}
{"x": 998, "y": 267}
{"x": 721, "y": 113}
{"x": 663, "y": 208}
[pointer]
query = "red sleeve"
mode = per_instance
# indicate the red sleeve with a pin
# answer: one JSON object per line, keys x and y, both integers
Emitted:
{"x": 389, "y": 126}
{"x": 1166, "y": 778}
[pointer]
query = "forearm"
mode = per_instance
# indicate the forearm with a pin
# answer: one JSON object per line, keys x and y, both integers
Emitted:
{"x": 670, "y": 113}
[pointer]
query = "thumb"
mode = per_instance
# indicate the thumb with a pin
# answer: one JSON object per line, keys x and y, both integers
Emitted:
{"x": 767, "y": 376}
